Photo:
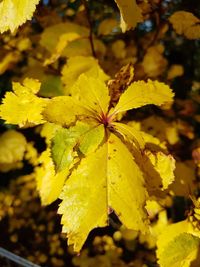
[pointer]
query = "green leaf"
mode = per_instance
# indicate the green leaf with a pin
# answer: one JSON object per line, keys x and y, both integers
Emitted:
{"x": 51, "y": 86}
{"x": 92, "y": 139}
{"x": 181, "y": 251}
{"x": 84, "y": 136}
{"x": 62, "y": 149}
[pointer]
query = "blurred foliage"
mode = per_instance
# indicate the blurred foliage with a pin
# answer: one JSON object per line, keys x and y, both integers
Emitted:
{"x": 156, "y": 50}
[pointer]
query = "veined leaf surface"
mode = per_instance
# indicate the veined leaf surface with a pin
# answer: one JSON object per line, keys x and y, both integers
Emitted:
{"x": 142, "y": 93}
{"x": 88, "y": 194}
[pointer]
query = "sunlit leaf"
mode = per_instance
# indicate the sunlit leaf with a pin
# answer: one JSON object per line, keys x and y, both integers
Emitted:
{"x": 130, "y": 133}
{"x": 142, "y": 93}
{"x": 84, "y": 198}
{"x": 92, "y": 94}
{"x": 112, "y": 187}
{"x": 13, "y": 13}
{"x": 78, "y": 65}
{"x": 22, "y": 106}
{"x": 84, "y": 136}
{"x": 49, "y": 184}
{"x": 63, "y": 110}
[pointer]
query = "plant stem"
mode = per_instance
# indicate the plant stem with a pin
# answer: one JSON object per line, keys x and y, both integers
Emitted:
{"x": 87, "y": 11}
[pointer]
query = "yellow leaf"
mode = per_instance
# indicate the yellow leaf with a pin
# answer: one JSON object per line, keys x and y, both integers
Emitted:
{"x": 87, "y": 196}
{"x": 31, "y": 84}
{"x": 84, "y": 204}
{"x": 124, "y": 176}
{"x": 76, "y": 66}
{"x": 22, "y": 106}
{"x": 142, "y": 93}
{"x": 153, "y": 208}
{"x": 92, "y": 94}
{"x": 13, "y": 13}
{"x": 152, "y": 142}
{"x": 186, "y": 23}
{"x": 130, "y": 133}
{"x": 24, "y": 44}
{"x": 177, "y": 247}
{"x": 149, "y": 239}
{"x": 12, "y": 147}
{"x": 162, "y": 173}
{"x": 49, "y": 184}
{"x": 64, "y": 40}
{"x": 63, "y": 110}
{"x": 130, "y": 14}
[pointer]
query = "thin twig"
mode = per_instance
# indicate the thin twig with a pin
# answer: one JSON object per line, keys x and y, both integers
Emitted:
{"x": 87, "y": 11}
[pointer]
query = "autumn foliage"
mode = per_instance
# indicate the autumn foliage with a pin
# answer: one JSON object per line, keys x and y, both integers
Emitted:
{"x": 101, "y": 99}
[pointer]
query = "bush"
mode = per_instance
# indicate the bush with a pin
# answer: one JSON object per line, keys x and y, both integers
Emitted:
{"x": 100, "y": 121}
